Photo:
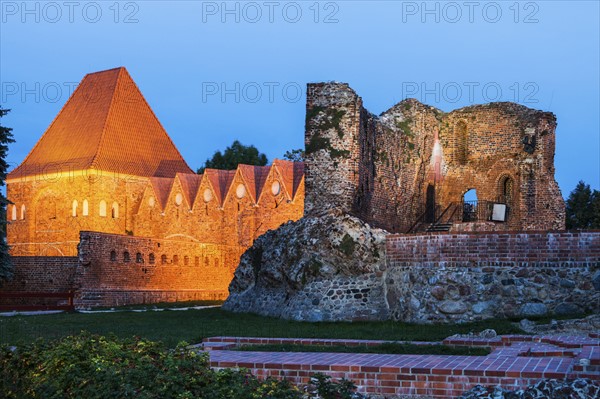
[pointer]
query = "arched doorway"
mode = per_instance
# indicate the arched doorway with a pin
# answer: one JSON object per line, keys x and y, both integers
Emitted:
{"x": 469, "y": 206}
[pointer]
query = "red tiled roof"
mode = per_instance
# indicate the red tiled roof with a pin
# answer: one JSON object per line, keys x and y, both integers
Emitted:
{"x": 255, "y": 178}
{"x": 291, "y": 173}
{"x": 190, "y": 182}
{"x": 220, "y": 181}
{"x": 162, "y": 189}
{"x": 107, "y": 125}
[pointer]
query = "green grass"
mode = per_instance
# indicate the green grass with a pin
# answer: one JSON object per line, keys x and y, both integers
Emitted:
{"x": 164, "y": 305}
{"x": 191, "y": 326}
{"x": 393, "y": 348}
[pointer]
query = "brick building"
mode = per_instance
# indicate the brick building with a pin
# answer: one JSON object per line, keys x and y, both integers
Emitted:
{"x": 107, "y": 165}
{"x": 409, "y": 169}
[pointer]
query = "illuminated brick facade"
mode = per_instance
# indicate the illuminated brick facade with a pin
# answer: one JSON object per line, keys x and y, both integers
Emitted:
{"x": 106, "y": 165}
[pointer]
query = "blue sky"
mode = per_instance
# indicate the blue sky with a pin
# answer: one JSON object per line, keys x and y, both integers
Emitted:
{"x": 185, "y": 55}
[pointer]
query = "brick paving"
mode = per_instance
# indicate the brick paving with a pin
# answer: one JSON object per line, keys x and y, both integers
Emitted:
{"x": 516, "y": 361}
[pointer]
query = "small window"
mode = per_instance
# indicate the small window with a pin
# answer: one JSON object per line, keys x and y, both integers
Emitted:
{"x": 113, "y": 256}
{"x": 23, "y": 212}
{"x": 207, "y": 195}
{"x": 139, "y": 258}
{"x": 197, "y": 261}
{"x": 216, "y": 263}
{"x": 74, "y": 208}
{"x": 275, "y": 188}
{"x": 151, "y": 259}
{"x": 178, "y": 199}
{"x": 240, "y": 191}
{"x": 102, "y": 208}
{"x": 126, "y": 257}
{"x": 175, "y": 259}
{"x": 186, "y": 260}
{"x": 206, "y": 264}
{"x": 163, "y": 259}
{"x": 114, "y": 210}
{"x": 85, "y": 208}
{"x": 14, "y": 213}
{"x": 151, "y": 202}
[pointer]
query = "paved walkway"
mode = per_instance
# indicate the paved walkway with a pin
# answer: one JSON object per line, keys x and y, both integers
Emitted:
{"x": 516, "y": 361}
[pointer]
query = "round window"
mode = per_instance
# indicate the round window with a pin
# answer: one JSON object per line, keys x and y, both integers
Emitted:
{"x": 275, "y": 188}
{"x": 207, "y": 195}
{"x": 240, "y": 191}
{"x": 179, "y": 199}
{"x": 151, "y": 202}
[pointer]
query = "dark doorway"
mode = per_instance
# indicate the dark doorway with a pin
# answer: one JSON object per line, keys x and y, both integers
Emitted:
{"x": 430, "y": 204}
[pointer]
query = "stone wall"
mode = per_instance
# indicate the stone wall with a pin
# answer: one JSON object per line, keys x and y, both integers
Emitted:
{"x": 389, "y": 169}
{"x": 428, "y": 278}
{"x": 119, "y": 270}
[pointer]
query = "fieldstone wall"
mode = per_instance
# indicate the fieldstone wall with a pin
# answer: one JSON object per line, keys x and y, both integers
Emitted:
{"x": 337, "y": 267}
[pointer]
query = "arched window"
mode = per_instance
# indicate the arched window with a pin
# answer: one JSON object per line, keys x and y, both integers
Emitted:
{"x": 23, "y": 212}
{"x": 85, "y": 211}
{"x": 151, "y": 259}
{"x": 197, "y": 261}
{"x": 102, "y": 208}
{"x": 216, "y": 262}
{"x": 470, "y": 206}
{"x": 506, "y": 188}
{"x": 13, "y": 215}
{"x": 139, "y": 258}
{"x": 206, "y": 262}
{"x": 113, "y": 256}
{"x": 74, "y": 208}
{"x": 461, "y": 136}
{"x": 126, "y": 257}
{"x": 114, "y": 210}
{"x": 163, "y": 259}
{"x": 186, "y": 260}
{"x": 175, "y": 259}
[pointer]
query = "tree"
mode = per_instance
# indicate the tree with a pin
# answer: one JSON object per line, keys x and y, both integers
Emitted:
{"x": 6, "y": 137}
{"x": 583, "y": 208}
{"x": 235, "y": 154}
{"x": 296, "y": 155}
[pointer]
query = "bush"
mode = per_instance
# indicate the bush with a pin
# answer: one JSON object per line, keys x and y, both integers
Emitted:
{"x": 92, "y": 366}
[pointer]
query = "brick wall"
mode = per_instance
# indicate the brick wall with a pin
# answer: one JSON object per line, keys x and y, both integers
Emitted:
{"x": 533, "y": 249}
{"x": 380, "y": 168}
{"x": 41, "y": 274}
{"x": 119, "y": 270}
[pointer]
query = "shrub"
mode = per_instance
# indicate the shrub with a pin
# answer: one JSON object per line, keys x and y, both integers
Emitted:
{"x": 92, "y": 366}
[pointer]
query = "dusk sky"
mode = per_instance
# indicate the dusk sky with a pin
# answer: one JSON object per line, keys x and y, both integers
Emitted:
{"x": 214, "y": 72}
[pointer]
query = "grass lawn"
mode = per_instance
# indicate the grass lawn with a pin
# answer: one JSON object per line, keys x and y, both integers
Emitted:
{"x": 171, "y": 327}
{"x": 392, "y": 348}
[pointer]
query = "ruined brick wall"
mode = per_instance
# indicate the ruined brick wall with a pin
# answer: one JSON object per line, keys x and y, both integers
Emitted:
{"x": 119, "y": 270}
{"x": 389, "y": 169}
{"x": 462, "y": 277}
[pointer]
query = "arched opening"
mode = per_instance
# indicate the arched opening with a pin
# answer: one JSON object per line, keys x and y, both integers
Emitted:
{"x": 23, "y": 212}
{"x": 470, "y": 205}
{"x": 102, "y": 208}
{"x": 506, "y": 190}
{"x": 113, "y": 256}
{"x": 186, "y": 260}
{"x": 461, "y": 136}
{"x": 151, "y": 259}
{"x": 85, "y": 208}
{"x": 74, "y": 208}
{"x": 126, "y": 257}
{"x": 430, "y": 204}
{"x": 139, "y": 258}
{"x": 163, "y": 259}
{"x": 114, "y": 210}
{"x": 175, "y": 259}
{"x": 13, "y": 215}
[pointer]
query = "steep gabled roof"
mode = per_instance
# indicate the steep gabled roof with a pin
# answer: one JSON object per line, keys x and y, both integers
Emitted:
{"x": 291, "y": 173}
{"x": 107, "y": 125}
{"x": 220, "y": 180}
{"x": 190, "y": 182}
{"x": 162, "y": 188}
{"x": 255, "y": 178}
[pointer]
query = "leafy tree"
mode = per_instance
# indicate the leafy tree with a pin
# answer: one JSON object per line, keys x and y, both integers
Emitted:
{"x": 296, "y": 155}
{"x": 583, "y": 208}
{"x": 6, "y": 137}
{"x": 235, "y": 154}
